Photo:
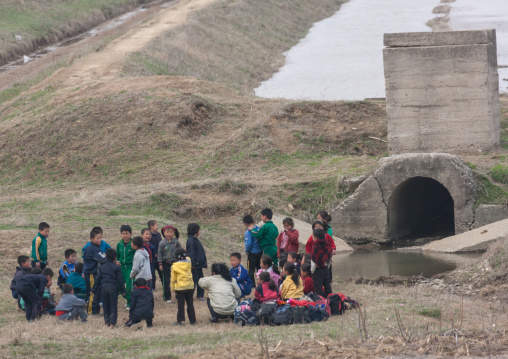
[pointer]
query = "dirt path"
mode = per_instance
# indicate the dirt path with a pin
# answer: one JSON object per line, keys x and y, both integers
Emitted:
{"x": 107, "y": 64}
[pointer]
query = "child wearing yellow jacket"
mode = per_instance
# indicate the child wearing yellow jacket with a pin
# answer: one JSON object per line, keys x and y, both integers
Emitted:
{"x": 292, "y": 287}
{"x": 183, "y": 286}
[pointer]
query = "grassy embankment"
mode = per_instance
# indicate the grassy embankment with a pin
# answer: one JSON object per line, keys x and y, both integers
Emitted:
{"x": 41, "y": 23}
{"x": 180, "y": 150}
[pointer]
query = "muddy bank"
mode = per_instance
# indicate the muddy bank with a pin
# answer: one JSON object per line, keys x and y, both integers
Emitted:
{"x": 72, "y": 28}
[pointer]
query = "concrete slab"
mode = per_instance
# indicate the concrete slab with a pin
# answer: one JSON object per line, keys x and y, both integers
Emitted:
{"x": 439, "y": 38}
{"x": 477, "y": 239}
{"x": 305, "y": 230}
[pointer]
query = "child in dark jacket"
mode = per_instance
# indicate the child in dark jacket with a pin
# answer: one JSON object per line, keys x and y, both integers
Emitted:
{"x": 31, "y": 287}
{"x": 70, "y": 307}
{"x": 197, "y": 254}
{"x": 109, "y": 281}
{"x": 241, "y": 275}
{"x": 266, "y": 291}
{"x": 166, "y": 258}
{"x": 147, "y": 236}
{"x": 155, "y": 240}
{"x": 93, "y": 257}
{"x": 77, "y": 281}
{"x": 142, "y": 304}
{"x": 24, "y": 268}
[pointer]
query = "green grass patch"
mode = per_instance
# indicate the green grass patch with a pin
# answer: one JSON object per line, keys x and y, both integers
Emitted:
{"x": 499, "y": 173}
{"x": 431, "y": 312}
{"x": 488, "y": 192}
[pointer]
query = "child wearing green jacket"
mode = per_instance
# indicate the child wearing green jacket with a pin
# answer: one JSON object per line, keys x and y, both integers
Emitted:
{"x": 125, "y": 255}
{"x": 267, "y": 235}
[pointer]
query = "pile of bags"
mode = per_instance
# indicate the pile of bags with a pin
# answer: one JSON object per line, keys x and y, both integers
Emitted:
{"x": 309, "y": 308}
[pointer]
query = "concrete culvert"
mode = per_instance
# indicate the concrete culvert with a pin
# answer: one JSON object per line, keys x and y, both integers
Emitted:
{"x": 420, "y": 207}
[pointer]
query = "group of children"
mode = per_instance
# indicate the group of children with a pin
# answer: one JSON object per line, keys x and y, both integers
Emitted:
{"x": 106, "y": 273}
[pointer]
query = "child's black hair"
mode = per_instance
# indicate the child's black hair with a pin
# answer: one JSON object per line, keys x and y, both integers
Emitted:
{"x": 78, "y": 267}
{"x": 175, "y": 230}
{"x": 267, "y": 261}
{"x": 325, "y": 216}
{"x": 125, "y": 228}
{"x": 151, "y": 223}
{"x": 110, "y": 255}
{"x": 307, "y": 258}
{"x": 289, "y": 221}
{"x": 322, "y": 224}
{"x": 267, "y": 212}
{"x": 140, "y": 282}
{"x": 48, "y": 272}
{"x": 297, "y": 256}
{"x": 222, "y": 269}
{"x": 138, "y": 241}
{"x": 69, "y": 252}
{"x": 43, "y": 226}
{"x": 283, "y": 259}
{"x": 22, "y": 259}
{"x": 248, "y": 219}
{"x": 291, "y": 269}
{"x": 98, "y": 229}
{"x": 265, "y": 277}
{"x": 144, "y": 230}
{"x": 180, "y": 254}
{"x": 192, "y": 229}
{"x": 35, "y": 271}
{"x": 236, "y": 255}
{"x": 319, "y": 233}
{"x": 67, "y": 288}
{"x": 306, "y": 268}
{"x": 94, "y": 233}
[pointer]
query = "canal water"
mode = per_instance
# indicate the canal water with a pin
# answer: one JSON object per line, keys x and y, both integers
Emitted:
{"x": 341, "y": 57}
{"x": 374, "y": 263}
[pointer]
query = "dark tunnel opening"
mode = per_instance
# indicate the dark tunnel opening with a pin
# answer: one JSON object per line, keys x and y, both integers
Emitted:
{"x": 420, "y": 207}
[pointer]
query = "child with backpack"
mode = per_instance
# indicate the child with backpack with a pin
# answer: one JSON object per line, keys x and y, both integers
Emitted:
{"x": 268, "y": 266}
{"x": 183, "y": 286}
{"x": 292, "y": 287}
{"x": 24, "y": 268}
{"x": 266, "y": 291}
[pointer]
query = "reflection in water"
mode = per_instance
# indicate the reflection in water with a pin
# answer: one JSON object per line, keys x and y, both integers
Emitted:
{"x": 375, "y": 263}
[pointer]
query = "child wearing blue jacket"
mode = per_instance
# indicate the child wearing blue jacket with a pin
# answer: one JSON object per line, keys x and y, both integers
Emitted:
{"x": 252, "y": 248}
{"x": 241, "y": 275}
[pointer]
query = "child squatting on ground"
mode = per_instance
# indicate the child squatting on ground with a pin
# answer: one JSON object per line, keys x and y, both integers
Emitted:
{"x": 70, "y": 307}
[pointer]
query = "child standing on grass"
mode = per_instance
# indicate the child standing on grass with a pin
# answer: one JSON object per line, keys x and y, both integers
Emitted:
{"x": 147, "y": 236}
{"x": 197, "y": 254}
{"x": 110, "y": 281}
{"x": 141, "y": 304}
{"x": 252, "y": 248}
{"x": 266, "y": 291}
{"x": 23, "y": 268}
{"x": 93, "y": 257}
{"x": 166, "y": 258}
{"x": 141, "y": 264}
{"x": 67, "y": 267}
{"x": 30, "y": 288}
{"x": 183, "y": 286}
{"x": 292, "y": 287}
{"x": 77, "y": 281}
{"x": 70, "y": 307}
{"x": 125, "y": 255}
{"x": 321, "y": 255}
{"x": 40, "y": 247}
{"x": 239, "y": 273}
{"x": 267, "y": 235}
{"x": 308, "y": 284}
{"x": 104, "y": 245}
{"x": 156, "y": 239}
{"x": 287, "y": 241}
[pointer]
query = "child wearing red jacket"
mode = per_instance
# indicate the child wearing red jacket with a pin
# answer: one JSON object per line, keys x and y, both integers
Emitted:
{"x": 287, "y": 241}
{"x": 308, "y": 283}
{"x": 266, "y": 291}
{"x": 310, "y": 242}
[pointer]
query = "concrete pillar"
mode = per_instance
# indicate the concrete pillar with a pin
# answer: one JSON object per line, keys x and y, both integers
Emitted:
{"x": 442, "y": 91}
